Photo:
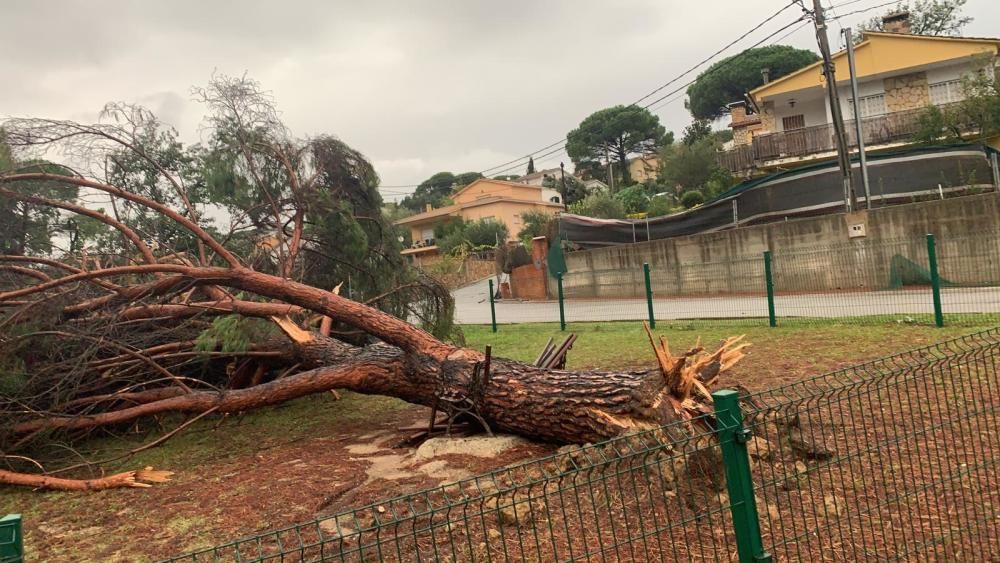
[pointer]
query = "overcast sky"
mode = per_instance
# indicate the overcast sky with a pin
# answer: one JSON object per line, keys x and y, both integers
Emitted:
{"x": 418, "y": 86}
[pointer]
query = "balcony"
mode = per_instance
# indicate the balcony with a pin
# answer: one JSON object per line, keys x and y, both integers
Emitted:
{"x": 773, "y": 148}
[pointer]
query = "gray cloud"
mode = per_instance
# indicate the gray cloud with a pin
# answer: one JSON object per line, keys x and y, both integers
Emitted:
{"x": 419, "y": 86}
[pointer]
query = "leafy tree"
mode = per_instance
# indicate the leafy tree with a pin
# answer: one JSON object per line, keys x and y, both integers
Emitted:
{"x": 599, "y": 205}
{"x": 442, "y": 230}
{"x": 976, "y": 116}
{"x": 699, "y": 129}
{"x": 635, "y": 199}
{"x": 28, "y": 228}
{"x": 692, "y": 198}
{"x": 695, "y": 166}
{"x": 486, "y": 232}
{"x": 617, "y": 131}
{"x": 433, "y": 190}
{"x": 466, "y": 178}
{"x": 927, "y": 17}
{"x": 668, "y": 139}
{"x": 437, "y": 189}
{"x": 534, "y": 224}
{"x": 472, "y": 234}
{"x": 531, "y": 165}
{"x": 727, "y": 80}
{"x": 575, "y": 190}
{"x": 659, "y": 206}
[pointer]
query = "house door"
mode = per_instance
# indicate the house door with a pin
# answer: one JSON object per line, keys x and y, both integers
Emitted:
{"x": 795, "y": 135}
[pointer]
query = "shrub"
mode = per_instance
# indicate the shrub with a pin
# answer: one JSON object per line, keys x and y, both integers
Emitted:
{"x": 599, "y": 205}
{"x": 692, "y": 198}
{"x": 486, "y": 232}
{"x": 659, "y": 206}
{"x": 534, "y": 224}
{"x": 634, "y": 199}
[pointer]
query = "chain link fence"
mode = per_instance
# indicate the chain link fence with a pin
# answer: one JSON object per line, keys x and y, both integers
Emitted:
{"x": 894, "y": 459}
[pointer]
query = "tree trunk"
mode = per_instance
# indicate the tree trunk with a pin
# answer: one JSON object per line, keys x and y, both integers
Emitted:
{"x": 623, "y": 160}
{"x": 551, "y": 405}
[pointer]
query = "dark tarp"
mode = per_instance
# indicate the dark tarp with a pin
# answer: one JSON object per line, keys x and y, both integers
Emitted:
{"x": 895, "y": 177}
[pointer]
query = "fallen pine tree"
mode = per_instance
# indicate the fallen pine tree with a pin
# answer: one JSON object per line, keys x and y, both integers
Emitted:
{"x": 97, "y": 343}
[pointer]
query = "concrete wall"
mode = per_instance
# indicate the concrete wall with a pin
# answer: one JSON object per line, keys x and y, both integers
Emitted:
{"x": 809, "y": 254}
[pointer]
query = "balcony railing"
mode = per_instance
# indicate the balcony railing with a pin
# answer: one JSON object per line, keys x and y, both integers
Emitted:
{"x": 877, "y": 130}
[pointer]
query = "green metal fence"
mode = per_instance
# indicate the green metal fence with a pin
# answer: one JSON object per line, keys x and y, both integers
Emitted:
{"x": 894, "y": 459}
{"x": 920, "y": 280}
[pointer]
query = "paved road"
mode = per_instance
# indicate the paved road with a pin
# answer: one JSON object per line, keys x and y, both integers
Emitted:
{"x": 472, "y": 306}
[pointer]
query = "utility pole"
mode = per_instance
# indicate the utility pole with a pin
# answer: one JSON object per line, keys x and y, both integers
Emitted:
{"x": 862, "y": 158}
{"x": 562, "y": 175}
{"x": 834, "y": 100}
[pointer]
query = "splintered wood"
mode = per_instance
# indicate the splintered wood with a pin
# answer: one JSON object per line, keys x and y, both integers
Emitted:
{"x": 688, "y": 378}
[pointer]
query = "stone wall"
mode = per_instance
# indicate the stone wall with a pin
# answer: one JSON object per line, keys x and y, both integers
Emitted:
{"x": 808, "y": 254}
{"x": 767, "y": 120}
{"x": 906, "y": 92}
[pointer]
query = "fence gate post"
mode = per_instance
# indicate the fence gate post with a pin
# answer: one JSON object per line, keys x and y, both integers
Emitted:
{"x": 649, "y": 295}
{"x": 733, "y": 439}
{"x": 493, "y": 308}
{"x": 769, "y": 282}
{"x": 11, "y": 539}
{"x": 935, "y": 280}
{"x": 562, "y": 310}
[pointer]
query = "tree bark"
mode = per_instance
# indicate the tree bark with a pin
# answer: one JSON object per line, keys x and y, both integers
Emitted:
{"x": 551, "y": 405}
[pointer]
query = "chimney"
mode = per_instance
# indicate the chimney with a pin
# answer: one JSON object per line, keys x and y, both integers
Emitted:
{"x": 897, "y": 22}
{"x": 428, "y": 208}
{"x": 766, "y": 74}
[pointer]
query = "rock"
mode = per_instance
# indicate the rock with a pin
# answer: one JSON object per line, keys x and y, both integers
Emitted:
{"x": 493, "y": 533}
{"x": 336, "y": 528}
{"x": 759, "y": 448}
{"x": 478, "y": 446}
{"x": 773, "y": 512}
{"x": 834, "y": 505}
{"x": 520, "y": 513}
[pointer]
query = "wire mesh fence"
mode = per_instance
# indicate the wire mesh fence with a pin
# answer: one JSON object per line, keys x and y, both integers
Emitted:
{"x": 894, "y": 459}
{"x": 643, "y": 497}
{"x": 918, "y": 280}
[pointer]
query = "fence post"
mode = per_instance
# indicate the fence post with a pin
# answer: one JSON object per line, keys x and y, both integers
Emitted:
{"x": 733, "y": 439}
{"x": 935, "y": 280}
{"x": 769, "y": 282}
{"x": 11, "y": 539}
{"x": 493, "y": 308}
{"x": 649, "y": 295}
{"x": 562, "y": 310}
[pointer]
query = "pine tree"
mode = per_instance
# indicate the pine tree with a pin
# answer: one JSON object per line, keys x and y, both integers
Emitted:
{"x": 531, "y": 165}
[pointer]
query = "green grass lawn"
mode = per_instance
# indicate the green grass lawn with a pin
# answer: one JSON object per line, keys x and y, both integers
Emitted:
{"x": 777, "y": 355}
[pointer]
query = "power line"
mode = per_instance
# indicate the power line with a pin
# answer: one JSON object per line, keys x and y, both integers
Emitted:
{"x": 521, "y": 160}
{"x": 717, "y": 53}
{"x": 863, "y": 10}
{"x": 682, "y": 91}
{"x": 552, "y": 148}
{"x": 731, "y": 60}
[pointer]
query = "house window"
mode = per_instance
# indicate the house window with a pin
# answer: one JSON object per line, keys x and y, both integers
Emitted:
{"x": 871, "y": 106}
{"x": 554, "y": 199}
{"x": 793, "y": 122}
{"x": 946, "y": 92}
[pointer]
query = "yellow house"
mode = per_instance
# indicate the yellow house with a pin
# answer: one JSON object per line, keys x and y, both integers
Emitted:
{"x": 645, "y": 167}
{"x": 899, "y": 75}
{"x": 495, "y": 200}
